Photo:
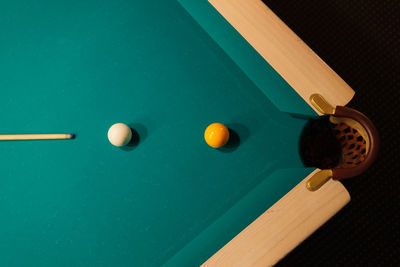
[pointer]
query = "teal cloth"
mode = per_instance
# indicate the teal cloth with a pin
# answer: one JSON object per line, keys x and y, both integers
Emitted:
{"x": 81, "y": 66}
{"x": 251, "y": 63}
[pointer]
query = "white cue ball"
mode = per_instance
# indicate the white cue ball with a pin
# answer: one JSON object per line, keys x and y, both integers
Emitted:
{"x": 119, "y": 134}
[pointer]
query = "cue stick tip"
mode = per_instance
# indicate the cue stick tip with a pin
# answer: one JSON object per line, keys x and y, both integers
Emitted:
{"x": 71, "y": 136}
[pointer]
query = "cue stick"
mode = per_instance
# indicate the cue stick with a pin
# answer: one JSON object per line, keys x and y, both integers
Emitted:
{"x": 11, "y": 137}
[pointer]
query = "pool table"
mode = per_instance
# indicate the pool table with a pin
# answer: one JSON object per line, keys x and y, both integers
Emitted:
{"x": 167, "y": 69}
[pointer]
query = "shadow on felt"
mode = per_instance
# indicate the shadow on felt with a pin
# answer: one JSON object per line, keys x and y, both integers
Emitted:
{"x": 238, "y": 134}
{"x": 139, "y": 134}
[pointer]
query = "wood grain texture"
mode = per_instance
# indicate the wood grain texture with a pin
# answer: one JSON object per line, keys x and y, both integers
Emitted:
{"x": 283, "y": 226}
{"x": 304, "y": 70}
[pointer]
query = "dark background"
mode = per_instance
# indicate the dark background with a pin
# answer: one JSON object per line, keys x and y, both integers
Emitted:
{"x": 360, "y": 41}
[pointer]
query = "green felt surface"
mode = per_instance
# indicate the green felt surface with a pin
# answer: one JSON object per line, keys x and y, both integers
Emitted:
{"x": 80, "y": 66}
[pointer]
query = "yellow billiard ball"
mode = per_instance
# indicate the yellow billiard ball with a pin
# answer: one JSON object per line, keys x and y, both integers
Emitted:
{"x": 216, "y": 135}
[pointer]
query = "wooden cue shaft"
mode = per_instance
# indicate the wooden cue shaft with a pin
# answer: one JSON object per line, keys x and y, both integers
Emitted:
{"x": 4, "y": 137}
